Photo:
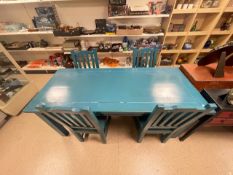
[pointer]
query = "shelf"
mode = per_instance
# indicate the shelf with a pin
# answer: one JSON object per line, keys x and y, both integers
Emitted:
{"x": 189, "y": 51}
{"x": 44, "y": 68}
{"x": 139, "y": 16}
{"x": 116, "y": 53}
{"x": 198, "y": 33}
{"x": 170, "y": 51}
{"x": 208, "y": 10}
{"x": 228, "y": 9}
{"x": 102, "y": 66}
{"x": 220, "y": 32}
{"x": 112, "y": 36}
{"x": 47, "y": 49}
{"x": 29, "y": 1}
{"x": 107, "y": 53}
{"x": 206, "y": 50}
{"x": 26, "y": 33}
{"x": 55, "y": 68}
{"x": 184, "y": 11}
{"x": 176, "y": 33}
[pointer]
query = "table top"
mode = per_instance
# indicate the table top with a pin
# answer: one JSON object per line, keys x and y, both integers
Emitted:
{"x": 118, "y": 90}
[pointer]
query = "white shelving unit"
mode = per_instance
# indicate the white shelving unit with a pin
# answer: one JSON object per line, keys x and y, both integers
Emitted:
{"x": 5, "y": 2}
{"x": 107, "y": 53}
{"x": 70, "y": 12}
{"x": 139, "y": 16}
{"x": 112, "y": 36}
{"x": 26, "y": 33}
{"x": 47, "y": 49}
{"x": 44, "y": 68}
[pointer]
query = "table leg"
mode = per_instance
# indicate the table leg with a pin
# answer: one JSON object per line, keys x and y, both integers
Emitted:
{"x": 56, "y": 126}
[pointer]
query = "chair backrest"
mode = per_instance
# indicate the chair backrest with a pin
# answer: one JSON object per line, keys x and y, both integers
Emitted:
{"x": 85, "y": 59}
{"x": 145, "y": 57}
{"x": 164, "y": 118}
{"x": 74, "y": 119}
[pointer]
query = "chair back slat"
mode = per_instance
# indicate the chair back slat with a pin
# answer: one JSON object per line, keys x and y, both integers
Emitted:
{"x": 85, "y": 59}
{"x": 154, "y": 58}
{"x": 85, "y": 120}
{"x": 135, "y": 58}
{"x": 73, "y": 119}
{"x": 167, "y": 120}
{"x": 78, "y": 61}
{"x": 56, "y": 117}
{"x": 79, "y": 120}
{"x": 63, "y": 117}
{"x": 67, "y": 118}
{"x": 194, "y": 116}
{"x": 160, "y": 115}
{"x": 145, "y": 57}
{"x": 179, "y": 116}
{"x": 93, "y": 61}
{"x": 88, "y": 60}
{"x": 94, "y": 53}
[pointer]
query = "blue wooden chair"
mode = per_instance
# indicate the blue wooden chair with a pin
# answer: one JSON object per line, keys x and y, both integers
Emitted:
{"x": 146, "y": 57}
{"x": 169, "y": 122}
{"x": 80, "y": 122}
{"x": 85, "y": 59}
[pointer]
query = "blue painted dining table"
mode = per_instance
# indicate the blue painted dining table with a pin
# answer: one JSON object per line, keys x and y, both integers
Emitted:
{"x": 131, "y": 91}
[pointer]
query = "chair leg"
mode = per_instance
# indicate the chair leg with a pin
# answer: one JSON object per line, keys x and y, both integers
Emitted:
{"x": 141, "y": 134}
{"x": 103, "y": 137}
{"x": 86, "y": 136}
{"x": 79, "y": 136}
{"x": 140, "y": 137}
{"x": 164, "y": 138}
{"x": 107, "y": 126}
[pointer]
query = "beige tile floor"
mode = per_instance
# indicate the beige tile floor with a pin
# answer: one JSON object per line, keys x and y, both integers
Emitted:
{"x": 29, "y": 147}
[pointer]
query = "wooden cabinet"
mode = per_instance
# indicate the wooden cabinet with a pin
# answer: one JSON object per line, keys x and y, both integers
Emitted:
{"x": 202, "y": 76}
{"x": 224, "y": 112}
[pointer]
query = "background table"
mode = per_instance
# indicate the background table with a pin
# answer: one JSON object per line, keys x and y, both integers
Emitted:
{"x": 131, "y": 91}
{"x": 202, "y": 76}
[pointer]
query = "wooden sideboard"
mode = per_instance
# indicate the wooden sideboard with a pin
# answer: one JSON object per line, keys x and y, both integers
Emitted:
{"x": 202, "y": 76}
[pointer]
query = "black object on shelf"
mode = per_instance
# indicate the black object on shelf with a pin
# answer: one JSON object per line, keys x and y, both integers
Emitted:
{"x": 116, "y": 47}
{"x": 227, "y": 23}
{"x": 47, "y": 17}
{"x": 100, "y": 26}
{"x": 117, "y": 10}
{"x": 71, "y": 32}
{"x": 117, "y": 2}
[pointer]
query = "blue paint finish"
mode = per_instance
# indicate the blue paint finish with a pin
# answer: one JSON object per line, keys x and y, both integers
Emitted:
{"x": 118, "y": 90}
{"x": 85, "y": 59}
{"x": 145, "y": 57}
